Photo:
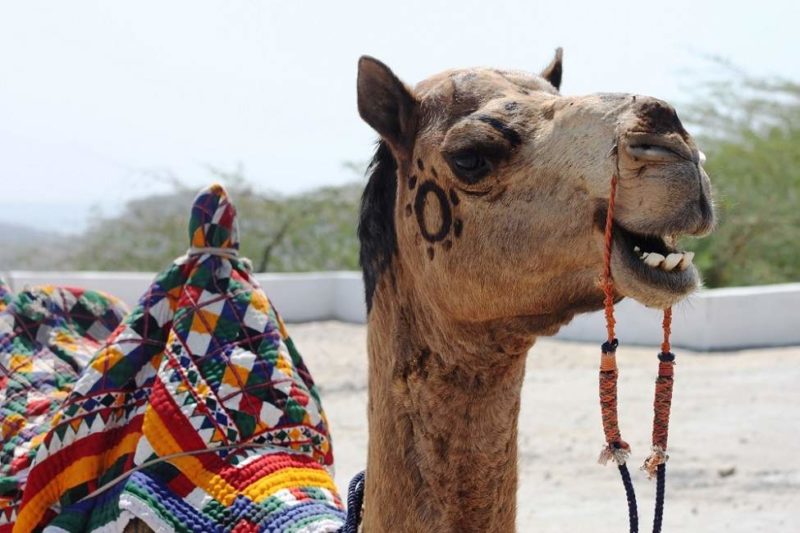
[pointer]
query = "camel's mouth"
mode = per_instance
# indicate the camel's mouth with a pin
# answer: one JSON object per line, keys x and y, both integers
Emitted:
{"x": 658, "y": 253}
{"x": 650, "y": 268}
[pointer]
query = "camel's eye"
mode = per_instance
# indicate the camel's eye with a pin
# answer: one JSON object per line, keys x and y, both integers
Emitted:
{"x": 468, "y": 161}
{"x": 470, "y": 166}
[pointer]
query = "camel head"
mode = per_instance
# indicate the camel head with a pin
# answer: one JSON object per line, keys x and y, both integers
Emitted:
{"x": 490, "y": 190}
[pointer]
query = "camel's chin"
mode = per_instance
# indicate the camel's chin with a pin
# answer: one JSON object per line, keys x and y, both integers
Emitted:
{"x": 656, "y": 283}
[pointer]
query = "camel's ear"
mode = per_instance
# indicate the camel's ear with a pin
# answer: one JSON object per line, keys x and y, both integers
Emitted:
{"x": 385, "y": 103}
{"x": 553, "y": 71}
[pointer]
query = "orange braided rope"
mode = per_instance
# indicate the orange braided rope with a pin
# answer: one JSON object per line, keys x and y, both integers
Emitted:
{"x": 662, "y": 401}
{"x": 608, "y": 281}
{"x": 616, "y": 448}
{"x": 666, "y": 325}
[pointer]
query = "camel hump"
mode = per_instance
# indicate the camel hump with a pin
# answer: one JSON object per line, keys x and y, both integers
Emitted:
{"x": 213, "y": 221}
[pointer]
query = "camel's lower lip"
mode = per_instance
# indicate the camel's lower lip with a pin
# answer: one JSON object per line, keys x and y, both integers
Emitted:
{"x": 629, "y": 246}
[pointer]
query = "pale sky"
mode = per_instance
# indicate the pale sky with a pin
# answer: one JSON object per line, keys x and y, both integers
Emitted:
{"x": 97, "y": 96}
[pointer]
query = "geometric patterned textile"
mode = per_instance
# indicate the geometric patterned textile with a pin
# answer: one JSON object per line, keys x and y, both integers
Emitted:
{"x": 197, "y": 414}
{"x": 47, "y": 335}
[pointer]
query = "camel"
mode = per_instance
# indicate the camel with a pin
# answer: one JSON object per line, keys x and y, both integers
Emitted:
{"x": 481, "y": 229}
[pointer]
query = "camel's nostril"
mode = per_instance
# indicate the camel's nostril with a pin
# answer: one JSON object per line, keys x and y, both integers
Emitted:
{"x": 658, "y": 117}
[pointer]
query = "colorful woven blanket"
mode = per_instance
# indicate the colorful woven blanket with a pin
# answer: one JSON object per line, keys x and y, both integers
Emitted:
{"x": 47, "y": 335}
{"x": 198, "y": 413}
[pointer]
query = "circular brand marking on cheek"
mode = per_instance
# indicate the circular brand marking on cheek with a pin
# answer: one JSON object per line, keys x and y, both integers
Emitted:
{"x": 430, "y": 190}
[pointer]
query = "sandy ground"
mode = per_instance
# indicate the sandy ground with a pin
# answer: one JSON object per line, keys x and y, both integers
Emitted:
{"x": 734, "y": 435}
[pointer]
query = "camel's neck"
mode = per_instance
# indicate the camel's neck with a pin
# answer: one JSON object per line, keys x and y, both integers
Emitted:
{"x": 443, "y": 406}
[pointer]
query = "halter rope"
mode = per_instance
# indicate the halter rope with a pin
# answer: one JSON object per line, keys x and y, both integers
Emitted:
{"x": 617, "y": 449}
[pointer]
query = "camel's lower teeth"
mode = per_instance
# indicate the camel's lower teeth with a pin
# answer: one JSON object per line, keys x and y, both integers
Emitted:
{"x": 688, "y": 257}
{"x": 654, "y": 259}
{"x": 679, "y": 260}
{"x": 671, "y": 261}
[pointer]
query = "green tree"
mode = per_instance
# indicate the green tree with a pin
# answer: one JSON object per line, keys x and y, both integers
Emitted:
{"x": 750, "y": 130}
{"x": 304, "y": 232}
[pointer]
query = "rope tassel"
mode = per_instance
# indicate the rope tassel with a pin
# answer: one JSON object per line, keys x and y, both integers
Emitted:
{"x": 616, "y": 449}
{"x": 656, "y": 464}
{"x": 662, "y": 402}
{"x": 661, "y": 409}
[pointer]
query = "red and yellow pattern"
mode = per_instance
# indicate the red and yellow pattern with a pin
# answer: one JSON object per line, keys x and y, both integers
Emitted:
{"x": 197, "y": 414}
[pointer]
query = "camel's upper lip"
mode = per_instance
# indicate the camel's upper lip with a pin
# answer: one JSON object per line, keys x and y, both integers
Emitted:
{"x": 655, "y": 260}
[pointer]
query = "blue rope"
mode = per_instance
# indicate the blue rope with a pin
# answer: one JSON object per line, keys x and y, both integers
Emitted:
{"x": 661, "y": 474}
{"x": 633, "y": 513}
{"x": 355, "y": 500}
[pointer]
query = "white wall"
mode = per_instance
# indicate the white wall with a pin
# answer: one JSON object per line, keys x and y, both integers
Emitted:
{"x": 713, "y": 319}
{"x": 716, "y": 319}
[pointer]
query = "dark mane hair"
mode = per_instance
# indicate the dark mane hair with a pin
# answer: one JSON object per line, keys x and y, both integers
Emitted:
{"x": 376, "y": 229}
